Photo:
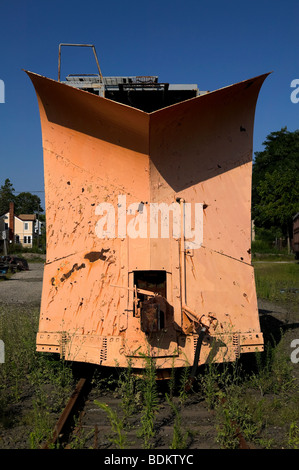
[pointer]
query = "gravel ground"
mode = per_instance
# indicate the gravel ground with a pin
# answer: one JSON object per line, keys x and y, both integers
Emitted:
{"x": 24, "y": 287}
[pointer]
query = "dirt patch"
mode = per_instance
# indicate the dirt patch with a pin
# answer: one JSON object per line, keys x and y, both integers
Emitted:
{"x": 197, "y": 425}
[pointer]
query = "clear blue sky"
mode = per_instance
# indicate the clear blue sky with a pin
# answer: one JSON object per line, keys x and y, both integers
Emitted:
{"x": 211, "y": 43}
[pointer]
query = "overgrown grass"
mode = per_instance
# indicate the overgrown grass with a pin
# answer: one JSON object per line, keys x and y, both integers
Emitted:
{"x": 277, "y": 281}
{"x": 17, "y": 330}
{"x": 179, "y": 439}
{"x": 259, "y": 398}
{"x": 253, "y": 400}
{"x": 267, "y": 248}
{"x": 150, "y": 402}
{"x": 118, "y": 438}
{"x": 25, "y": 373}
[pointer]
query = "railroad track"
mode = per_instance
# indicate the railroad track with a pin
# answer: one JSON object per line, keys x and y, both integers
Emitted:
{"x": 75, "y": 404}
{"x": 92, "y": 420}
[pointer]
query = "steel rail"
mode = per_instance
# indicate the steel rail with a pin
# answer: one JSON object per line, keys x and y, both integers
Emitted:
{"x": 65, "y": 415}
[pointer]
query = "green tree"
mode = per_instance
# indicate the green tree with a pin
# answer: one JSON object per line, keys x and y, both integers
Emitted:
{"x": 275, "y": 182}
{"x": 6, "y": 196}
{"x": 27, "y": 203}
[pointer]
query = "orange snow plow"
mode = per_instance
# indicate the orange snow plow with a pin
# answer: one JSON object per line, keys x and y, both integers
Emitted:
{"x": 148, "y": 209}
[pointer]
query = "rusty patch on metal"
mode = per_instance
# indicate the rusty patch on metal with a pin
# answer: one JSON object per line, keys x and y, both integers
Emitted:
{"x": 74, "y": 268}
{"x": 95, "y": 255}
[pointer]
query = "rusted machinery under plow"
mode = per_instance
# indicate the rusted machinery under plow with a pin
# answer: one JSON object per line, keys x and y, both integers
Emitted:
{"x": 148, "y": 208}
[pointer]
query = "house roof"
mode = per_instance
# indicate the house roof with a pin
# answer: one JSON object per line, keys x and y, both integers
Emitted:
{"x": 27, "y": 217}
{"x": 23, "y": 217}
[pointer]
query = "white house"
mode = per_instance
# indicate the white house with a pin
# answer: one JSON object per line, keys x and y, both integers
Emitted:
{"x": 23, "y": 230}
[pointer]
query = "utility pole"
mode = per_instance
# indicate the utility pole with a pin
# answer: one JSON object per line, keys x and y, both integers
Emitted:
{"x": 4, "y": 243}
{"x": 38, "y": 225}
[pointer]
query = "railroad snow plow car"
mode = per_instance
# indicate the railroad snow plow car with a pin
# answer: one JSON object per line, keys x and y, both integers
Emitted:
{"x": 148, "y": 205}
